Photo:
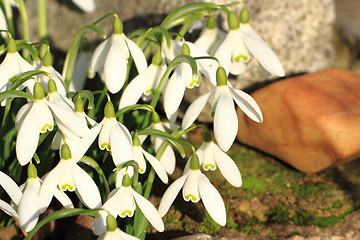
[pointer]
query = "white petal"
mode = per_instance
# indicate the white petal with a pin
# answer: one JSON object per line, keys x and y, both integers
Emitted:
{"x": 48, "y": 187}
{"x": 115, "y": 65}
{"x": 28, "y": 136}
{"x": 159, "y": 169}
{"x": 134, "y": 90}
{"x": 212, "y": 200}
{"x": 104, "y": 135}
{"x": 137, "y": 54}
{"x": 170, "y": 194}
{"x": 8, "y": 209}
{"x": 191, "y": 188}
{"x": 85, "y": 5}
{"x": 126, "y": 202}
{"x": 63, "y": 198}
{"x": 80, "y": 71}
{"x": 174, "y": 92}
{"x": 139, "y": 158}
{"x": 225, "y": 120}
{"x": 28, "y": 208}
{"x": 223, "y": 53}
{"x": 86, "y": 187}
{"x": 227, "y": 166}
{"x": 247, "y": 104}
{"x": 98, "y": 57}
{"x": 70, "y": 120}
{"x": 120, "y": 144}
{"x": 10, "y": 187}
{"x": 168, "y": 160}
{"x": 239, "y": 50}
{"x": 237, "y": 68}
{"x": 21, "y": 114}
{"x": 194, "y": 110}
{"x": 149, "y": 211}
{"x": 266, "y": 57}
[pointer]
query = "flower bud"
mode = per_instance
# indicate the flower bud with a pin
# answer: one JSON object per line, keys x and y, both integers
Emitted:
{"x": 185, "y": 50}
{"x": 109, "y": 111}
{"x": 136, "y": 140}
{"x": 207, "y": 136}
{"x": 79, "y": 104}
{"x": 31, "y": 171}
{"x": 194, "y": 162}
{"x": 211, "y": 23}
{"x": 65, "y": 152}
{"x": 221, "y": 77}
{"x": 118, "y": 27}
{"x": 47, "y": 59}
{"x": 39, "y": 92}
{"x": 244, "y": 15}
{"x": 126, "y": 181}
{"x": 233, "y": 21}
{"x": 155, "y": 118}
{"x": 11, "y": 46}
{"x": 52, "y": 85}
{"x": 111, "y": 223}
{"x": 157, "y": 59}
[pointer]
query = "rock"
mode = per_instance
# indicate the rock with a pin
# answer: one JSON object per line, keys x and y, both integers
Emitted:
{"x": 311, "y": 121}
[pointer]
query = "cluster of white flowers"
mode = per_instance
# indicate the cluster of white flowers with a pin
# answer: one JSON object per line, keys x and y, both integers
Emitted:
{"x": 176, "y": 65}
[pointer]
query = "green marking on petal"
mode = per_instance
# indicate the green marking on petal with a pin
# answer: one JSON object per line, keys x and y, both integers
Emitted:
{"x": 67, "y": 187}
{"x": 46, "y": 127}
{"x": 211, "y": 167}
{"x": 149, "y": 91}
{"x": 194, "y": 82}
{"x": 241, "y": 57}
{"x": 105, "y": 145}
{"x": 191, "y": 197}
{"x": 126, "y": 212}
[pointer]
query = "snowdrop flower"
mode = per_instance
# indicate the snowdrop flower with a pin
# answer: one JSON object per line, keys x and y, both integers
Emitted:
{"x": 196, "y": 186}
{"x": 37, "y": 117}
{"x": 139, "y": 156}
{"x": 111, "y": 57}
{"x": 183, "y": 78}
{"x": 55, "y": 75}
{"x": 144, "y": 84}
{"x": 233, "y": 52}
{"x": 211, "y": 157}
{"x": 85, "y": 5}
{"x": 225, "y": 118}
{"x": 80, "y": 70}
{"x": 167, "y": 160}
{"x": 26, "y": 199}
{"x": 68, "y": 176}
{"x": 12, "y": 66}
{"x": 113, "y": 232}
{"x": 3, "y": 24}
{"x": 115, "y": 137}
{"x": 121, "y": 202}
{"x": 210, "y": 36}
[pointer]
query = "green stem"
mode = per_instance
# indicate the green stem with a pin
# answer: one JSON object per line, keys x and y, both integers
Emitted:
{"x": 9, "y": 17}
{"x": 25, "y": 24}
{"x": 42, "y": 20}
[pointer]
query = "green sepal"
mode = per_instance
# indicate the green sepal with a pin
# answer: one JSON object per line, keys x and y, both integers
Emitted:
{"x": 207, "y": 136}
{"x": 194, "y": 162}
{"x": 118, "y": 27}
{"x": 31, "y": 171}
{"x": 79, "y": 104}
{"x": 244, "y": 15}
{"x": 47, "y": 59}
{"x": 233, "y": 21}
{"x": 39, "y": 92}
{"x": 109, "y": 111}
{"x": 11, "y": 46}
{"x": 155, "y": 118}
{"x": 126, "y": 181}
{"x": 157, "y": 59}
{"x": 185, "y": 50}
{"x": 221, "y": 77}
{"x": 211, "y": 23}
{"x": 65, "y": 152}
{"x": 52, "y": 85}
{"x": 136, "y": 140}
{"x": 111, "y": 223}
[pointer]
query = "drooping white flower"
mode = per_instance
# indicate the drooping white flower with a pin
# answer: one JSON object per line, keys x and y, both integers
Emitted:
{"x": 212, "y": 157}
{"x": 234, "y": 52}
{"x": 80, "y": 71}
{"x": 121, "y": 202}
{"x": 196, "y": 186}
{"x": 111, "y": 57}
{"x": 113, "y": 232}
{"x": 12, "y": 66}
{"x": 225, "y": 118}
{"x": 68, "y": 176}
{"x": 85, "y": 5}
{"x": 37, "y": 117}
{"x": 115, "y": 137}
{"x": 144, "y": 84}
{"x": 140, "y": 155}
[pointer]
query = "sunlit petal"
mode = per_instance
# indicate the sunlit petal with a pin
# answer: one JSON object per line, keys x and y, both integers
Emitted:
{"x": 98, "y": 57}
{"x": 48, "y": 187}
{"x": 247, "y": 104}
{"x": 159, "y": 169}
{"x": 8, "y": 209}
{"x": 191, "y": 188}
{"x": 126, "y": 202}
{"x": 29, "y": 206}
{"x": 10, "y": 187}
{"x": 137, "y": 54}
{"x": 120, "y": 143}
{"x": 85, "y": 5}
{"x": 212, "y": 200}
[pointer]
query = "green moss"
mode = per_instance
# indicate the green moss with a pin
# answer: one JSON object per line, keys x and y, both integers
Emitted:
{"x": 337, "y": 204}
{"x": 302, "y": 191}
{"x": 209, "y": 226}
{"x": 278, "y": 214}
{"x": 303, "y": 218}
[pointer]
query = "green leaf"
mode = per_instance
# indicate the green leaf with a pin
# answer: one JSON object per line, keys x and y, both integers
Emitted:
{"x": 19, "y": 80}
{"x": 63, "y": 213}
{"x": 15, "y": 93}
